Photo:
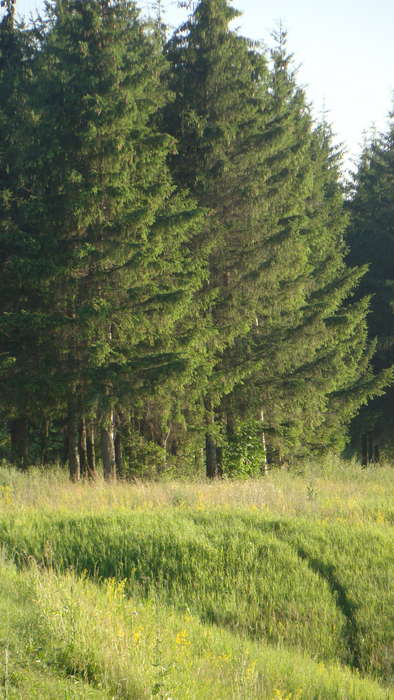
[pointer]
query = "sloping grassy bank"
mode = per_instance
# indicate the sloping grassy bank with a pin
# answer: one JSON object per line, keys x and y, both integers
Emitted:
{"x": 243, "y": 590}
{"x": 316, "y": 587}
{"x": 24, "y": 673}
{"x": 90, "y": 641}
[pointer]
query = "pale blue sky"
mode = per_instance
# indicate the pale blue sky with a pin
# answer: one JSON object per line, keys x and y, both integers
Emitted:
{"x": 345, "y": 50}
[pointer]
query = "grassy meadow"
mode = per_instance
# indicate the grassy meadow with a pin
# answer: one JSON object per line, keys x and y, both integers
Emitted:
{"x": 279, "y": 588}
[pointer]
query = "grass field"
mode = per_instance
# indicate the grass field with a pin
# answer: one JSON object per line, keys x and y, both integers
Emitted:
{"x": 279, "y": 588}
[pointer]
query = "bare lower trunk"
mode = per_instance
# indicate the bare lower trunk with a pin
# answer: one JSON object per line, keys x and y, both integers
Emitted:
{"x": 364, "y": 450}
{"x": 369, "y": 449}
{"x": 211, "y": 449}
{"x": 161, "y": 467}
{"x": 210, "y": 457}
{"x": 90, "y": 450}
{"x": 74, "y": 464}
{"x": 118, "y": 454}
{"x": 64, "y": 452}
{"x": 45, "y": 442}
{"x": 83, "y": 448}
{"x": 264, "y": 463}
{"x": 108, "y": 447}
{"x": 219, "y": 461}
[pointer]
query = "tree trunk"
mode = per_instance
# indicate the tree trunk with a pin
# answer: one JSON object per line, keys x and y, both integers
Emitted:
{"x": 173, "y": 447}
{"x": 44, "y": 442}
{"x": 264, "y": 462}
{"x": 108, "y": 447}
{"x": 364, "y": 450}
{"x": 164, "y": 444}
{"x": 19, "y": 441}
{"x": 210, "y": 457}
{"x": 73, "y": 444}
{"x": 118, "y": 454}
{"x": 211, "y": 454}
{"x": 370, "y": 448}
{"x": 219, "y": 461}
{"x": 83, "y": 448}
{"x": 64, "y": 451}
{"x": 90, "y": 450}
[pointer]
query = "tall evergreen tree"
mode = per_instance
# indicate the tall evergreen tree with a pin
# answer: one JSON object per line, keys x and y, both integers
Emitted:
{"x": 308, "y": 331}
{"x": 268, "y": 353}
{"x": 336, "y": 365}
{"x": 216, "y": 77}
{"x": 18, "y": 284}
{"x": 106, "y": 332}
{"x": 371, "y": 240}
{"x": 104, "y": 214}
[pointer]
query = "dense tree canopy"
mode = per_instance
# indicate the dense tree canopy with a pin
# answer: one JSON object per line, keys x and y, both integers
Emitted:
{"x": 173, "y": 271}
{"x": 371, "y": 239}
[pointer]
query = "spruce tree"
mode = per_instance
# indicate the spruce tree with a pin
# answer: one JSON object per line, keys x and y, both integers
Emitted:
{"x": 216, "y": 76}
{"x": 19, "y": 329}
{"x": 105, "y": 216}
{"x": 371, "y": 241}
{"x": 280, "y": 258}
{"x": 306, "y": 361}
{"x": 341, "y": 369}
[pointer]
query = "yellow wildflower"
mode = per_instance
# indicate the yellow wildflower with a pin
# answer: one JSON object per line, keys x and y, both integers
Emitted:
{"x": 137, "y": 634}
{"x": 182, "y": 639}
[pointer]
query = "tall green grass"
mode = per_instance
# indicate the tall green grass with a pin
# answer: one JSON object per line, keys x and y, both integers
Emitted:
{"x": 110, "y": 646}
{"x": 319, "y": 588}
{"x": 294, "y": 564}
{"x": 330, "y": 489}
{"x": 24, "y": 673}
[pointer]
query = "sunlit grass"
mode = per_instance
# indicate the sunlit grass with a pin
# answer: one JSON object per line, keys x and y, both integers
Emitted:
{"x": 232, "y": 589}
{"x": 126, "y": 648}
{"x": 331, "y": 489}
{"x": 316, "y": 586}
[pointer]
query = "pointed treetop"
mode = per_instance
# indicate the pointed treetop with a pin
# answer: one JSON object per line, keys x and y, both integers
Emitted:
{"x": 9, "y": 6}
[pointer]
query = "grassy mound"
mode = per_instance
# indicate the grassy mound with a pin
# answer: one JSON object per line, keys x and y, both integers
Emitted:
{"x": 111, "y": 646}
{"x": 313, "y": 587}
{"x": 261, "y": 589}
{"x": 24, "y": 672}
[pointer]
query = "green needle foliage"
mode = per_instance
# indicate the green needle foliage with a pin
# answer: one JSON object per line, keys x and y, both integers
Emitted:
{"x": 215, "y": 75}
{"x": 290, "y": 310}
{"x": 371, "y": 240}
{"x": 173, "y": 281}
{"x": 325, "y": 348}
{"x": 111, "y": 231}
{"x": 19, "y": 286}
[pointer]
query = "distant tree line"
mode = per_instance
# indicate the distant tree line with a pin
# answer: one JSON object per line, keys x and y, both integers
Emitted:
{"x": 176, "y": 290}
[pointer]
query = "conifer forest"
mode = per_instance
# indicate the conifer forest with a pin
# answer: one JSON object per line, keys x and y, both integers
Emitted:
{"x": 188, "y": 285}
{"x": 191, "y": 287}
